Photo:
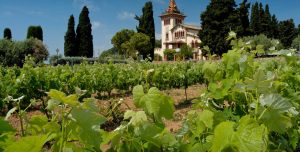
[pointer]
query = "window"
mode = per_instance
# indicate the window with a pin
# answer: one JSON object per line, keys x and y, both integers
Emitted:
{"x": 179, "y": 34}
{"x": 194, "y": 44}
{"x": 178, "y": 21}
{"x": 167, "y": 22}
{"x": 167, "y": 37}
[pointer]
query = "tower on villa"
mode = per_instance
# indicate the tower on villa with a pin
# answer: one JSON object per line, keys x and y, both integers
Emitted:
{"x": 175, "y": 33}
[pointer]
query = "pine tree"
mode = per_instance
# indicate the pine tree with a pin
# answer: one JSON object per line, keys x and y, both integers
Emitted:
{"x": 287, "y": 32}
{"x": 274, "y": 27}
{"x": 146, "y": 26}
{"x": 39, "y": 33}
{"x": 218, "y": 19}
{"x": 84, "y": 37}
{"x": 70, "y": 38}
{"x": 244, "y": 19}
{"x": 255, "y": 19}
{"x": 7, "y": 34}
{"x": 35, "y": 32}
{"x": 262, "y": 21}
{"x": 267, "y": 21}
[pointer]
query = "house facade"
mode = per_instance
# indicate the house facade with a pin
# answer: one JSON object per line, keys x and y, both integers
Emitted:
{"x": 176, "y": 33}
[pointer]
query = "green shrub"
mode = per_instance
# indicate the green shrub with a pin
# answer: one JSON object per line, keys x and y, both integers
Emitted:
{"x": 261, "y": 41}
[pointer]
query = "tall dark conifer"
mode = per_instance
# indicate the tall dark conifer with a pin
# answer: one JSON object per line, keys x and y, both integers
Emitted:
{"x": 287, "y": 32}
{"x": 262, "y": 20}
{"x": 146, "y": 26}
{"x": 266, "y": 22}
{"x": 218, "y": 19}
{"x": 35, "y": 32}
{"x": 84, "y": 37}
{"x": 7, "y": 34}
{"x": 274, "y": 27}
{"x": 255, "y": 19}
{"x": 70, "y": 38}
{"x": 244, "y": 18}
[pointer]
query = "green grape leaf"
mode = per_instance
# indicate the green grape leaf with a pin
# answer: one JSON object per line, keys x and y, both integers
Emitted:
{"x": 198, "y": 122}
{"x": 138, "y": 93}
{"x": 249, "y": 136}
{"x": 87, "y": 126}
{"x": 276, "y": 121}
{"x": 157, "y": 104}
{"x": 60, "y": 97}
{"x": 223, "y": 136}
{"x": 149, "y": 132}
{"x": 39, "y": 124}
{"x": 272, "y": 110}
{"x": 206, "y": 117}
{"x": 137, "y": 118}
{"x": 260, "y": 82}
{"x": 276, "y": 102}
{"x": 52, "y": 104}
{"x": 30, "y": 143}
{"x": 71, "y": 100}
{"x": 57, "y": 95}
{"x": 5, "y": 127}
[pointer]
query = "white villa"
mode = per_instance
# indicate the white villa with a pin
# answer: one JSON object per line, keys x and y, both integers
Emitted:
{"x": 175, "y": 33}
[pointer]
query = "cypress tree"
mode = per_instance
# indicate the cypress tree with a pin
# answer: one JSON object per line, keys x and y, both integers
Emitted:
{"x": 274, "y": 27}
{"x": 146, "y": 26}
{"x": 287, "y": 32}
{"x": 255, "y": 19}
{"x": 244, "y": 19}
{"x": 39, "y": 33}
{"x": 218, "y": 19}
{"x": 266, "y": 22}
{"x": 35, "y": 32}
{"x": 70, "y": 38}
{"x": 7, "y": 34}
{"x": 84, "y": 37}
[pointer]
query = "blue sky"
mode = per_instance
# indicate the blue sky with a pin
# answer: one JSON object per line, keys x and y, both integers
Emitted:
{"x": 107, "y": 16}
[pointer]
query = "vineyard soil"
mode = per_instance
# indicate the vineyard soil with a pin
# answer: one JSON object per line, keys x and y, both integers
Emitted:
{"x": 182, "y": 107}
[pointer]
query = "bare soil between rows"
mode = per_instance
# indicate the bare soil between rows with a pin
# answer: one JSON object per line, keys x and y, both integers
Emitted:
{"x": 182, "y": 106}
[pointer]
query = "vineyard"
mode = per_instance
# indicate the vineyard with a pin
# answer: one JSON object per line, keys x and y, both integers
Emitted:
{"x": 248, "y": 105}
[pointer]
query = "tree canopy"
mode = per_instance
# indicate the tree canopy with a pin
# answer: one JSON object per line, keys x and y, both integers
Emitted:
{"x": 243, "y": 11}
{"x": 84, "y": 38}
{"x": 121, "y": 37}
{"x": 14, "y": 52}
{"x": 146, "y": 26}
{"x": 287, "y": 32}
{"x": 218, "y": 19}
{"x": 70, "y": 38}
{"x": 139, "y": 44}
{"x": 7, "y": 34}
{"x": 35, "y": 32}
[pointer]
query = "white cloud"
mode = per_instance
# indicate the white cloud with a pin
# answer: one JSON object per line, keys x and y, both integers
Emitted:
{"x": 125, "y": 15}
{"x": 96, "y": 25}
